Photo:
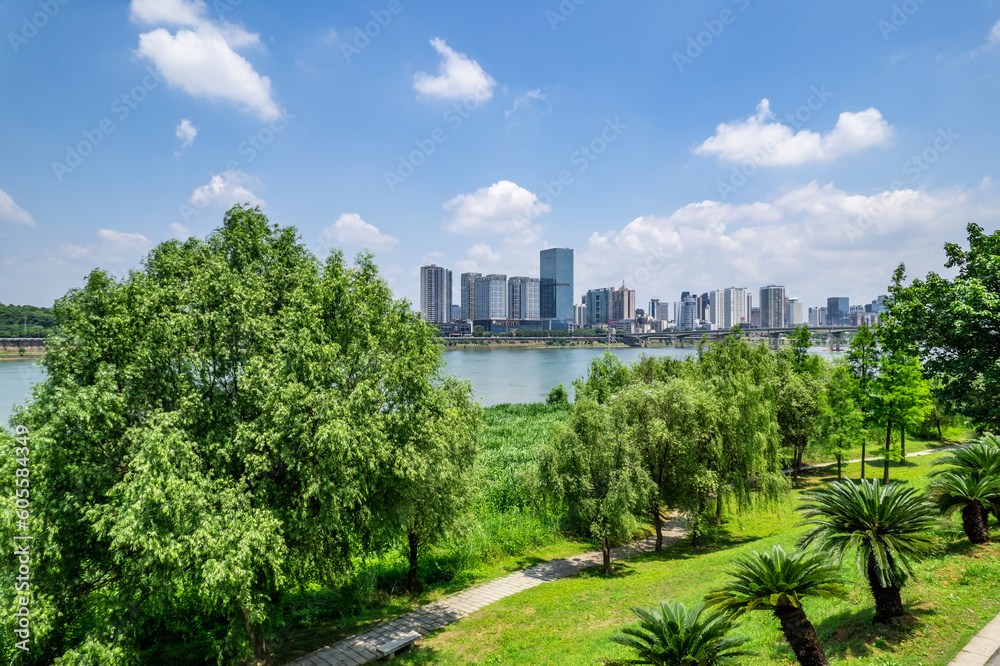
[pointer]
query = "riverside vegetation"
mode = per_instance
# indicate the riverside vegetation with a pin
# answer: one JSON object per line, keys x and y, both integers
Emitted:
{"x": 241, "y": 452}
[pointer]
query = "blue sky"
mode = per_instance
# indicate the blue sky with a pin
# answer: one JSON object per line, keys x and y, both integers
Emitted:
{"x": 678, "y": 146}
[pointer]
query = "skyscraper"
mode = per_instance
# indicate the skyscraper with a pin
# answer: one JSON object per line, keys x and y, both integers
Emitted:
{"x": 688, "y": 319}
{"x": 654, "y": 311}
{"x": 838, "y": 310}
{"x": 622, "y": 303}
{"x": 556, "y": 270}
{"x": 491, "y": 297}
{"x": 598, "y": 307}
{"x": 717, "y": 307}
{"x": 736, "y": 309}
{"x": 435, "y": 294}
{"x": 522, "y": 298}
{"x": 793, "y": 313}
{"x": 469, "y": 295}
{"x": 772, "y": 306}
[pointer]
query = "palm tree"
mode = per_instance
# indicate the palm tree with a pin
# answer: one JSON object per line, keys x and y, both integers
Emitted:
{"x": 951, "y": 491}
{"x": 777, "y": 581}
{"x": 672, "y": 635}
{"x": 886, "y": 523}
{"x": 981, "y": 458}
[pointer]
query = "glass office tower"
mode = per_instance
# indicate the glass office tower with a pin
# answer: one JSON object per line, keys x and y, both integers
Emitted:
{"x": 556, "y": 269}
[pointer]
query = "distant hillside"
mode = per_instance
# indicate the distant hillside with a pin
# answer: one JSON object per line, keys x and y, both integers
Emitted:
{"x": 26, "y": 321}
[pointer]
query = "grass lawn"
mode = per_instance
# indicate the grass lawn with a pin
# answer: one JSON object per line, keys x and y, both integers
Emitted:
{"x": 570, "y": 621}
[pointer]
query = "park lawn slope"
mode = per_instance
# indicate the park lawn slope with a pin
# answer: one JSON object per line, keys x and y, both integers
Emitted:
{"x": 571, "y": 621}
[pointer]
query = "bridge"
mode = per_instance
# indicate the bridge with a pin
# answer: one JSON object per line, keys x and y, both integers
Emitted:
{"x": 680, "y": 338}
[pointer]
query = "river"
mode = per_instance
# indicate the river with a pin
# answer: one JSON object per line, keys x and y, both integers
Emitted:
{"x": 498, "y": 375}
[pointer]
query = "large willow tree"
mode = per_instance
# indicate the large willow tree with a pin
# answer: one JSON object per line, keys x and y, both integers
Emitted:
{"x": 233, "y": 418}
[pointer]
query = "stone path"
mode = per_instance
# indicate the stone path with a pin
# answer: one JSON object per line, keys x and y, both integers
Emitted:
{"x": 873, "y": 461}
{"x": 360, "y": 649}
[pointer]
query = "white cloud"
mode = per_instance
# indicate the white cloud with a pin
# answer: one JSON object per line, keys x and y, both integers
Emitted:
{"x": 458, "y": 77}
{"x": 201, "y": 58}
{"x": 350, "y": 229}
{"x": 225, "y": 189}
{"x": 186, "y": 132}
{"x": 524, "y": 101}
{"x": 180, "y": 231}
{"x": 481, "y": 252}
{"x": 774, "y": 144}
{"x": 815, "y": 239}
{"x": 12, "y": 213}
{"x": 994, "y": 38}
{"x": 501, "y": 208}
{"x": 119, "y": 242}
{"x": 433, "y": 257}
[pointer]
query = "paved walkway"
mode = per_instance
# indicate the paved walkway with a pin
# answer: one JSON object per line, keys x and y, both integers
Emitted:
{"x": 360, "y": 649}
{"x": 873, "y": 461}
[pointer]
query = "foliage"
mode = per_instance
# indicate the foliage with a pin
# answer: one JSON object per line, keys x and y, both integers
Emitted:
{"x": 26, "y": 321}
{"x": 841, "y": 423}
{"x": 605, "y": 376}
{"x": 953, "y": 325}
{"x": 886, "y": 524}
{"x": 558, "y": 396}
{"x": 973, "y": 495}
{"x": 671, "y": 635}
{"x": 900, "y": 397}
{"x": 797, "y": 401}
{"x": 217, "y": 427}
{"x": 802, "y": 360}
{"x": 598, "y": 473}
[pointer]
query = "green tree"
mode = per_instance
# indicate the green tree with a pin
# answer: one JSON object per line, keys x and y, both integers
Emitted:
{"x": 978, "y": 460}
{"x": 558, "y": 396}
{"x": 887, "y": 525}
{"x": 595, "y": 470}
{"x": 900, "y": 398}
{"x": 671, "y": 424}
{"x": 798, "y": 411}
{"x": 804, "y": 362}
{"x": 841, "y": 423}
{"x": 606, "y": 375}
{"x": 778, "y": 582}
{"x": 863, "y": 356}
{"x": 974, "y": 496}
{"x": 213, "y": 428}
{"x": 952, "y": 325}
{"x": 672, "y": 635}
{"x": 740, "y": 377}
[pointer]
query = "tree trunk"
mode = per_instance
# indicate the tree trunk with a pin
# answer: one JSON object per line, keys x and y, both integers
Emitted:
{"x": 412, "y": 580}
{"x": 256, "y": 638}
{"x": 972, "y": 523}
{"x": 718, "y": 507}
{"x": 888, "y": 603}
{"x": 658, "y": 526}
{"x": 888, "y": 447}
{"x": 606, "y": 551}
{"x": 864, "y": 446}
{"x": 902, "y": 442}
{"x": 840, "y": 459}
{"x": 801, "y": 636}
{"x": 797, "y": 469}
{"x": 937, "y": 420}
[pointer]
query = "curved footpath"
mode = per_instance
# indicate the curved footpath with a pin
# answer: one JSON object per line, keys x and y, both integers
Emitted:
{"x": 360, "y": 649}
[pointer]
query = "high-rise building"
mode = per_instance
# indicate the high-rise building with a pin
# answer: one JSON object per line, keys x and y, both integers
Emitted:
{"x": 689, "y": 315}
{"x": 654, "y": 308}
{"x": 456, "y": 312}
{"x": 755, "y": 317}
{"x": 469, "y": 295}
{"x": 580, "y": 315}
{"x": 793, "y": 313}
{"x": 838, "y": 310}
{"x": 814, "y": 316}
{"x": 491, "y": 297}
{"x": 703, "y": 307}
{"x": 556, "y": 270}
{"x": 598, "y": 307}
{"x": 736, "y": 308}
{"x": 435, "y": 294}
{"x": 772, "y": 306}
{"x": 622, "y": 303}
{"x": 522, "y": 298}
{"x": 716, "y": 307}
